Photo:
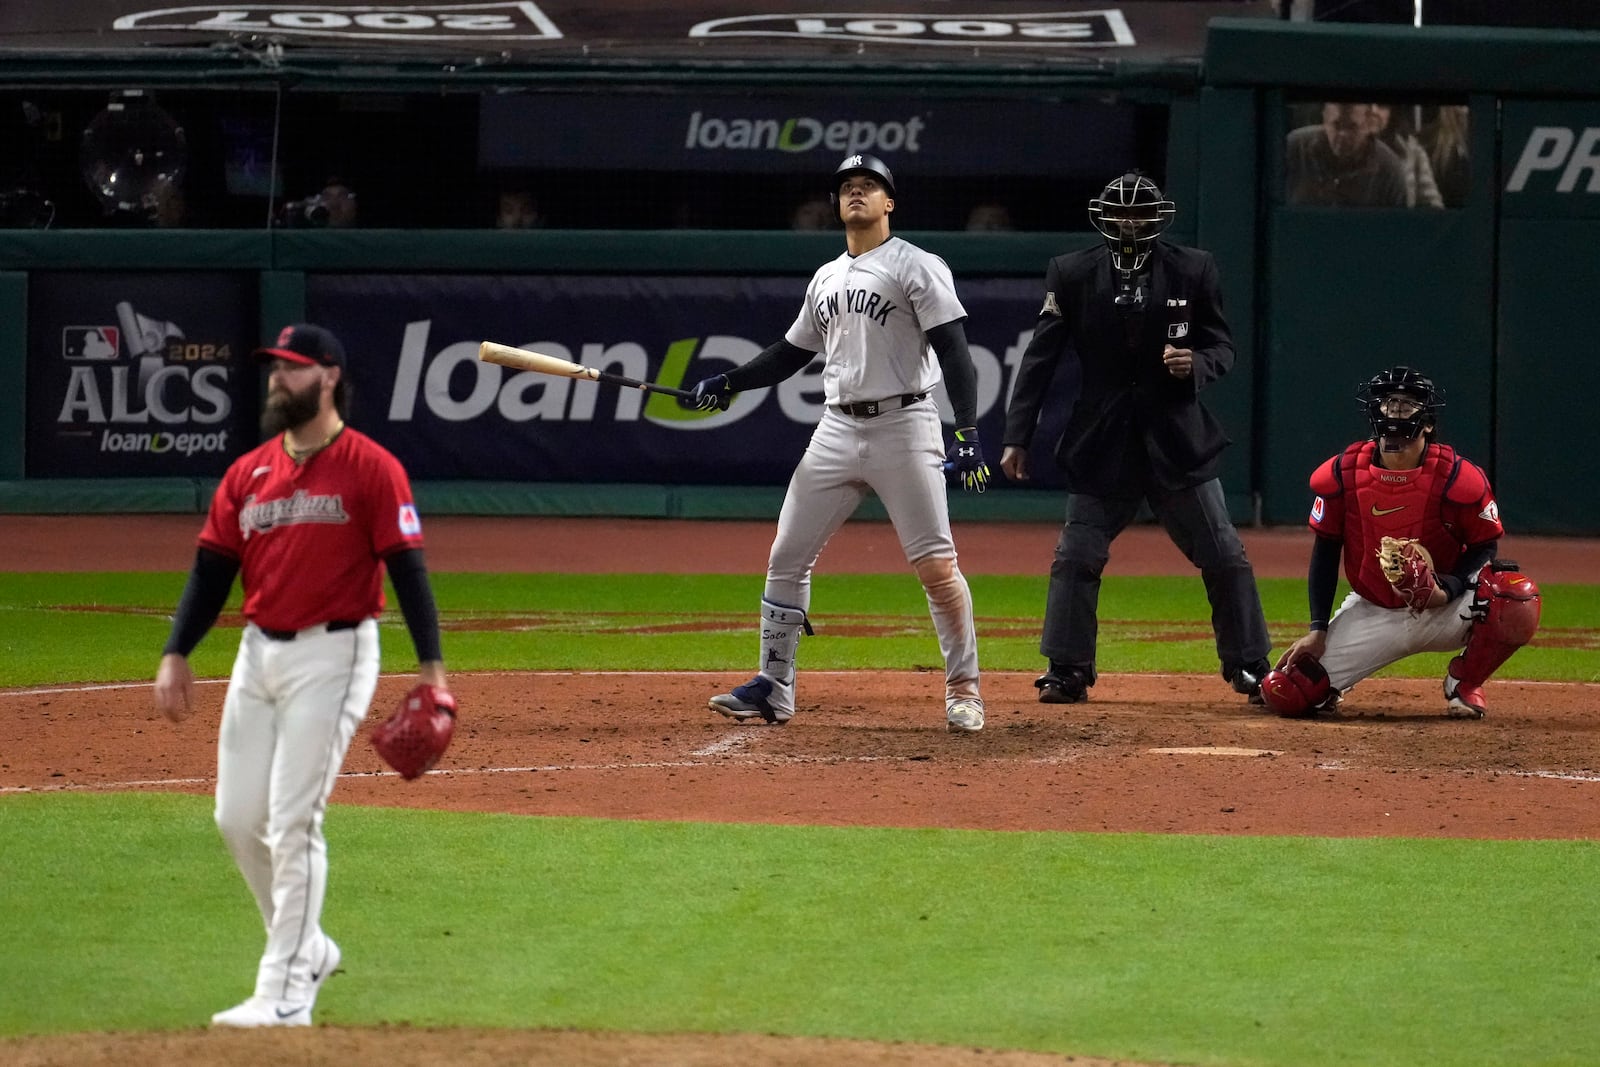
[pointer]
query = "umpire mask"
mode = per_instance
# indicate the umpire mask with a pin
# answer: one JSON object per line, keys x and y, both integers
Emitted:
{"x": 1130, "y": 214}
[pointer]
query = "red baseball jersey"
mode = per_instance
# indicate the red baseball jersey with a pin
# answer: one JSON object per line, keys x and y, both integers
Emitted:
{"x": 1445, "y": 503}
{"x": 310, "y": 538}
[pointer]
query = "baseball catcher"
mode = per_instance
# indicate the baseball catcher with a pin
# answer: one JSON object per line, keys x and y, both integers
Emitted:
{"x": 1416, "y": 526}
{"x": 416, "y": 735}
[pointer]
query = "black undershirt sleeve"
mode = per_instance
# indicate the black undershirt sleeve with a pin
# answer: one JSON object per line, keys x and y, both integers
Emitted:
{"x": 1472, "y": 560}
{"x": 1322, "y": 579}
{"x": 210, "y": 581}
{"x": 776, "y": 362}
{"x": 409, "y": 572}
{"x": 949, "y": 343}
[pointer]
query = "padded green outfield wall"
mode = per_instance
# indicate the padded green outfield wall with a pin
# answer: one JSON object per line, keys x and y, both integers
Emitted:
{"x": 1491, "y": 297}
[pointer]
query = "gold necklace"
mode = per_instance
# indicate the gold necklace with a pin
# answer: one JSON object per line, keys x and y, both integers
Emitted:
{"x": 298, "y": 454}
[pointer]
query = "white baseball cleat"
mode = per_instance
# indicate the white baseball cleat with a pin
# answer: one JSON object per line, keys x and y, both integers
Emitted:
{"x": 268, "y": 1011}
{"x": 331, "y": 957}
{"x": 264, "y": 1011}
{"x": 964, "y": 717}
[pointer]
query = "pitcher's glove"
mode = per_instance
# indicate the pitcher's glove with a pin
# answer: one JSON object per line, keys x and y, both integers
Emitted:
{"x": 1409, "y": 568}
{"x": 416, "y": 735}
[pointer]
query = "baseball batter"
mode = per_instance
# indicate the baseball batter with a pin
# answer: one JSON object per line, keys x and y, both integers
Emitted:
{"x": 1400, "y": 492}
{"x": 886, "y": 318}
{"x": 306, "y": 519}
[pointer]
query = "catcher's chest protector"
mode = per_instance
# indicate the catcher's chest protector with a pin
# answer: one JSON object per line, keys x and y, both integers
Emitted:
{"x": 1398, "y": 503}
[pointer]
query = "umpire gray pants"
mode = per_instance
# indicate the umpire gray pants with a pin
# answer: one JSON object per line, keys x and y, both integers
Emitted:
{"x": 1197, "y": 521}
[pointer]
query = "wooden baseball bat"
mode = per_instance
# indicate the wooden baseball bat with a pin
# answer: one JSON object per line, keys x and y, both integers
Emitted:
{"x": 523, "y": 359}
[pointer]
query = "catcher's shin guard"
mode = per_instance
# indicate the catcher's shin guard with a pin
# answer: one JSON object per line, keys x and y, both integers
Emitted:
{"x": 1505, "y": 615}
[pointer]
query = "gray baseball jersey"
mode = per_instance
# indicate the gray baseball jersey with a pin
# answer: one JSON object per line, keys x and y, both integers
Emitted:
{"x": 869, "y": 316}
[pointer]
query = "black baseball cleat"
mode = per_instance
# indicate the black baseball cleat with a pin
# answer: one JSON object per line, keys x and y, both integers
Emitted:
{"x": 1063, "y": 687}
{"x": 1247, "y": 680}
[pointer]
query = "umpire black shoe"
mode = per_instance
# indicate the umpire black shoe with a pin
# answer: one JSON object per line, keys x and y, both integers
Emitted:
{"x": 1063, "y": 687}
{"x": 1247, "y": 680}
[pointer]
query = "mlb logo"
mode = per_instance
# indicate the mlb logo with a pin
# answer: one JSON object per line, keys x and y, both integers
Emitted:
{"x": 1176, "y": 330}
{"x": 90, "y": 342}
{"x": 1316, "y": 510}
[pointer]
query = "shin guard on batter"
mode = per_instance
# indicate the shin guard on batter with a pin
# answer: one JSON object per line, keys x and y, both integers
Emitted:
{"x": 1505, "y": 614}
{"x": 781, "y": 626}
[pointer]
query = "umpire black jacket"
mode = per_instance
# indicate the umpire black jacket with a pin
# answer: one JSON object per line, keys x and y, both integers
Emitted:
{"x": 1134, "y": 426}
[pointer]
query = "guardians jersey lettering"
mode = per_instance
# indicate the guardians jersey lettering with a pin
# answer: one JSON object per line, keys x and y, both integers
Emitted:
{"x": 269, "y": 514}
{"x": 310, "y": 538}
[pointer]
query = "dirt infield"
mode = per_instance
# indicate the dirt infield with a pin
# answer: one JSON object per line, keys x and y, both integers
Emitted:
{"x": 1147, "y": 753}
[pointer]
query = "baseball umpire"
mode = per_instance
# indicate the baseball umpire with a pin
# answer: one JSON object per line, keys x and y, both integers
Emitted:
{"x": 886, "y": 317}
{"x": 1145, "y": 319}
{"x": 1417, "y": 527}
{"x": 306, "y": 519}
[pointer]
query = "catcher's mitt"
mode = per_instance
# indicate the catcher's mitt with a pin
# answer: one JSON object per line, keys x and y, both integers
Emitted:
{"x": 416, "y": 735}
{"x": 1409, "y": 568}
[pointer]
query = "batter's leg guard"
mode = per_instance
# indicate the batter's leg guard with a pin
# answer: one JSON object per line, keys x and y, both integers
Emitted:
{"x": 770, "y": 694}
{"x": 1301, "y": 688}
{"x": 1505, "y": 612}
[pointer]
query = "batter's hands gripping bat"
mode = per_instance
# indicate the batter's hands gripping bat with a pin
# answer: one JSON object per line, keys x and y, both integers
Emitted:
{"x": 522, "y": 359}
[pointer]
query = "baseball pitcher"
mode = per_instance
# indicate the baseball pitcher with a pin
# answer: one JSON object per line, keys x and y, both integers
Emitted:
{"x": 306, "y": 519}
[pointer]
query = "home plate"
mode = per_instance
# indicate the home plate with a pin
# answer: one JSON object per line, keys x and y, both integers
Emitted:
{"x": 1218, "y": 750}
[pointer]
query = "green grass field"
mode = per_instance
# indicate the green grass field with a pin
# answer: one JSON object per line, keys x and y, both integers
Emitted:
{"x": 1266, "y": 952}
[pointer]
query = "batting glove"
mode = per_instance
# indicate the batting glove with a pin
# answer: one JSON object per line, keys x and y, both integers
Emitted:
{"x": 965, "y": 460}
{"x": 709, "y": 394}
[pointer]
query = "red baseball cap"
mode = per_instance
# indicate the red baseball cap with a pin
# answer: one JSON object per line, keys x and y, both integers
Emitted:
{"x": 305, "y": 343}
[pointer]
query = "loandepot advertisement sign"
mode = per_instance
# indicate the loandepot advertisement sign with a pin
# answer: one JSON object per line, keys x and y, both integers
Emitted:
{"x": 139, "y": 374}
{"x": 1550, "y": 159}
{"x": 420, "y": 389}
{"x": 801, "y": 134}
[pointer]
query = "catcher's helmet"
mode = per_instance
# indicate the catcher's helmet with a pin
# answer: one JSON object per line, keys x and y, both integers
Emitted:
{"x": 859, "y": 164}
{"x": 1383, "y": 396}
{"x": 1130, "y": 214}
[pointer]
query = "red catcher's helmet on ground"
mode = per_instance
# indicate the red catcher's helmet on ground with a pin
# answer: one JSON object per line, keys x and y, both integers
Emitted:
{"x": 859, "y": 164}
{"x": 1130, "y": 214}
